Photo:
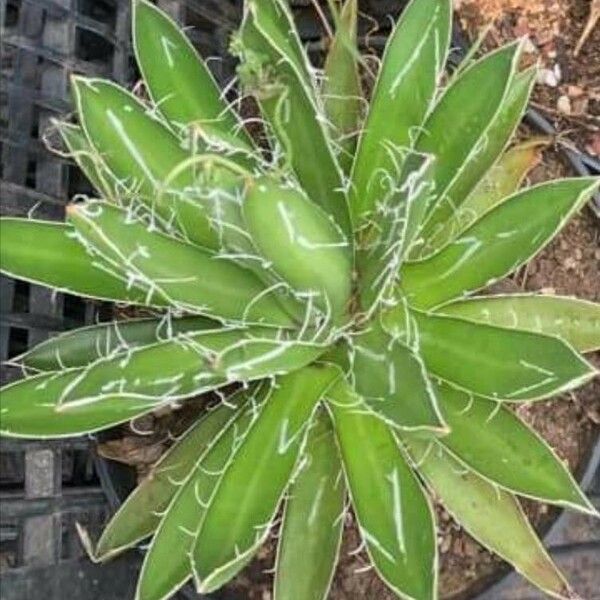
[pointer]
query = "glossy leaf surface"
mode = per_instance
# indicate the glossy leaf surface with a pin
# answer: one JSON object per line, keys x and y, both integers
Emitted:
{"x": 245, "y": 501}
{"x": 501, "y": 241}
{"x": 30, "y": 409}
{"x": 491, "y": 516}
{"x": 502, "y": 181}
{"x": 495, "y": 443}
{"x": 405, "y": 90}
{"x": 575, "y": 321}
{"x": 302, "y": 244}
{"x": 494, "y": 362}
{"x": 190, "y": 364}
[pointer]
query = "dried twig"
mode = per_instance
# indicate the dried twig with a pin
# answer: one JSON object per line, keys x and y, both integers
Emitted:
{"x": 589, "y": 26}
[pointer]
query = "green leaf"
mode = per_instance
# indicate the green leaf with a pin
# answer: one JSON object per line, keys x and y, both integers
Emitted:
{"x": 392, "y": 379}
{"x": 503, "y": 180}
{"x": 80, "y": 347}
{"x": 178, "y": 81}
{"x": 245, "y": 501}
{"x": 492, "y": 516}
{"x": 342, "y": 90}
{"x": 394, "y": 515}
{"x": 500, "y": 364}
{"x": 405, "y": 90}
{"x": 309, "y": 541}
{"x": 278, "y": 78}
{"x": 117, "y": 389}
{"x": 501, "y": 241}
{"x": 167, "y": 563}
{"x": 494, "y": 442}
{"x": 302, "y": 244}
{"x": 482, "y": 124}
{"x": 139, "y": 516}
{"x": 30, "y": 409}
{"x": 190, "y": 364}
{"x": 183, "y": 275}
{"x": 45, "y": 252}
{"x": 87, "y": 159}
{"x": 143, "y": 155}
{"x": 575, "y": 321}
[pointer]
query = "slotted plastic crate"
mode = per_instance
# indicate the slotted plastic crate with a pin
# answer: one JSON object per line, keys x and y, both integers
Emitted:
{"x": 46, "y": 486}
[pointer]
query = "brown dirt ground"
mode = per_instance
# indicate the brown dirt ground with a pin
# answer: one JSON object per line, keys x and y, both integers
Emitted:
{"x": 570, "y": 266}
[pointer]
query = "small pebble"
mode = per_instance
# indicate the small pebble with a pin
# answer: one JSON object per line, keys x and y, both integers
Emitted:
{"x": 557, "y": 72}
{"x": 547, "y": 77}
{"x": 564, "y": 105}
{"x": 575, "y": 91}
{"x": 529, "y": 47}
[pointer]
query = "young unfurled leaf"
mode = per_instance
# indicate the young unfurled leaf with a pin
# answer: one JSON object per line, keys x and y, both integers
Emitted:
{"x": 64, "y": 264}
{"x": 342, "y": 90}
{"x": 482, "y": 124}
{"x": 492, "y": 516}
{"x": 500, "y": 364}
{"x": 83, "y": 346}
{"x": 575, "y": 321}
{"x": 240, "y": 511}
{"x": 180, "y": 84}
{"x": 395, "y": 518}
{"x": 286, "y": 95}
{"x": 502, "y": 181}
{"x": 392, "y": 378}
{"x": 501, "y": 241}
{"x": 494, "y": 442}
{"x": 302, "y": 244}
{"x": 88, "y": 159}
{"x": 391, "y": 229}
{"x": 186, "y": 276}
{"x": 142, "y": 154}
{"x": 405, "y": 90}
{"x": 313, "y": 519}
{"x": 167, "y": 563}
{"x": 139, "y": 516}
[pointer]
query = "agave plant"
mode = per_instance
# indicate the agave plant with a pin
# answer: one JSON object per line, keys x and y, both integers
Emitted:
{"x": 325, "y": 284}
